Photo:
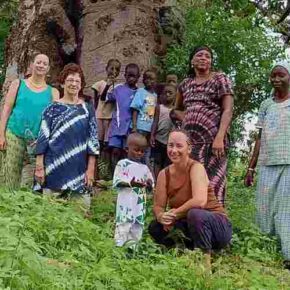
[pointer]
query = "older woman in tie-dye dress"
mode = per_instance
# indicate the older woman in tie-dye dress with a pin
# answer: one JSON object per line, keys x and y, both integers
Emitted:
{"x": 67, "y": 144}
{"x": 205, "y": 103}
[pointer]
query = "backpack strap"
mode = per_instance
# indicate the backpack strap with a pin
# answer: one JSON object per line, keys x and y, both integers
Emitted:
{"x": 17, "y": 93}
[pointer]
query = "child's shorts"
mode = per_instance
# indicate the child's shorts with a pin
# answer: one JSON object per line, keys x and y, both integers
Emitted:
{"x": 118, "y": 142}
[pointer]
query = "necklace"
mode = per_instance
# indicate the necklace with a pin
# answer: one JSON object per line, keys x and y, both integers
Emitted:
{"x": 202, "y": 79}
{"x": 35, "y": 85}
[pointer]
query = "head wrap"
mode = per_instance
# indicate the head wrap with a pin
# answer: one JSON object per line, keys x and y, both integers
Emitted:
{"x": 195, "y": 50}
{"x": 285, "y": 64}
{"x": 199, "y": 48}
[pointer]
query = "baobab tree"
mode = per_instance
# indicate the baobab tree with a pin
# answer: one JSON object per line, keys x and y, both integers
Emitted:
{"x": 87, "y": 32}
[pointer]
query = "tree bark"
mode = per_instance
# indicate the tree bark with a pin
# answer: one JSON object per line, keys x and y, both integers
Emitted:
{"x": 88, "y": 32}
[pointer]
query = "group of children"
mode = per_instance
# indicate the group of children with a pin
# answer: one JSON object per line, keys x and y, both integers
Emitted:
{"x": 124, "y": 108}
{"x": 133, "y": 128}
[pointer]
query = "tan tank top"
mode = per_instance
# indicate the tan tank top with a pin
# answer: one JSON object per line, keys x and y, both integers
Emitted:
{"x": 180, "y": 193}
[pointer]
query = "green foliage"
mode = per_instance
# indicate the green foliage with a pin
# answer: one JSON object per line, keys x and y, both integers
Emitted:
{"x": 244, "y": 47}
{"x": 4, "y": 28}
{"x": 8, "y": 9}
{"x": 7, "y": 16}
{"x": 46, "y": 244}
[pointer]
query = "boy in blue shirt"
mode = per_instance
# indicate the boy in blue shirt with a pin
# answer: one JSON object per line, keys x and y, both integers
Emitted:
{"x": 143, "y": 107}
{"x": 122, "y": 96}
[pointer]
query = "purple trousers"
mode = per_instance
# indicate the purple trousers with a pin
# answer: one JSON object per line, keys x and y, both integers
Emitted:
{"x": 200, "y": 229}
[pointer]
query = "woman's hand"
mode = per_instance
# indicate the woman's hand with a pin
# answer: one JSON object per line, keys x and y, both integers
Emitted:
{"x": 89, "y": 177}
{"x": 3, "y": 142}
{"x": 168, "y": 227}
{"x": 249, "y": 178}
{"x": 218, "y": 147}
{"x": 39, "y": 174}
{"x": 167, "y": 218}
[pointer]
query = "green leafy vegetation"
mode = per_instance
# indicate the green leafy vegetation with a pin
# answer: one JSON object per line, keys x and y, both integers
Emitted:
{"x": 47, "y": 244}
{"x": 244, "y": 45}
{"x": 7, "y": 16}
{"x": 4, "y": 28}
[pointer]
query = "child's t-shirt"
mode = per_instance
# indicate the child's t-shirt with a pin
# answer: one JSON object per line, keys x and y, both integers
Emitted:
{"x": 131, "y": 200}
{"x": 165, "y": 125}
{"x": 122, "y": 96}
{"x": 104, "y": 110}
{"x": 144, "y": 102}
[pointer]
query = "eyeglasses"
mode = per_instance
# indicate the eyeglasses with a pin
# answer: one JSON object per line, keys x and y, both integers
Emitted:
{"x": 71, "y": 81}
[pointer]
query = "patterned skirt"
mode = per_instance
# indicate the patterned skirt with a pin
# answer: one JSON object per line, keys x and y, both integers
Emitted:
{"x": 216, "y": 168}
{"x": 12, "y": 161}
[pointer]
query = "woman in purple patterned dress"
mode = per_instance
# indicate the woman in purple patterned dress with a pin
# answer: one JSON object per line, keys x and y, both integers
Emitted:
{"x": 204, "y": 104}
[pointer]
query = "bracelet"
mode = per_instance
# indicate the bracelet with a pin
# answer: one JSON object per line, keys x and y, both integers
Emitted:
{"x": 252, "y": 169}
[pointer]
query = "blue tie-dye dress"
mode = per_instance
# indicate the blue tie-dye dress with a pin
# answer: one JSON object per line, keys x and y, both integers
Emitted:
{"x": 68, "y": 135}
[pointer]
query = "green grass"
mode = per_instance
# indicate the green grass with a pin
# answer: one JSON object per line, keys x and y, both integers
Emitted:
{"x": 45, "y": 244}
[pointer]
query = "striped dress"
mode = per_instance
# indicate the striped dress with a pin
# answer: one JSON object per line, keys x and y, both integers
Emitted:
{"x": 203, "y": 111}
{"x": 68, "y": 135}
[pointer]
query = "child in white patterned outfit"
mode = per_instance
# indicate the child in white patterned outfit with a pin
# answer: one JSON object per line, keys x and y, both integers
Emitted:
{"x": 131, "y": 179}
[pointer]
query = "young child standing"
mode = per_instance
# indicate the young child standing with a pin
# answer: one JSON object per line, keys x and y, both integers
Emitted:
{"x": 104, "y": 110}
{"x": 122, "y": 96}
{"x": 131, "y": 179}
{"x": 143, "y": 108}
{"x": 273, "y": 155}
{"x": 172, "y": 79}
{"x": 161, "y": 127}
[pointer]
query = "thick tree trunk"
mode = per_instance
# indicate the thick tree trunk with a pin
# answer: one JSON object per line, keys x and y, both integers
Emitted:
{"x": 88, "y": 32}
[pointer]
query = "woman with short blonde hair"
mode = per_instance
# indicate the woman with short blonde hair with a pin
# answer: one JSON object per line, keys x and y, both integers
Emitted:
{"x": 183, "y": 187}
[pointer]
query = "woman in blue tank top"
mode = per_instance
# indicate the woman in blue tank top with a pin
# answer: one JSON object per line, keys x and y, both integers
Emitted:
{"x": 20, "y": 119}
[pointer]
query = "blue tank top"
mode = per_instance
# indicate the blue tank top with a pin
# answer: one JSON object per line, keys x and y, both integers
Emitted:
{"x": 25, "y": 118}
